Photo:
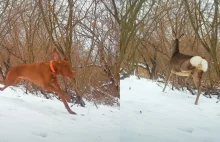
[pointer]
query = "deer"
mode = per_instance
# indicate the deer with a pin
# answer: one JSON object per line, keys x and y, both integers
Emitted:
{"x": 186, "y": 65}
{"x": 44, "y": 75}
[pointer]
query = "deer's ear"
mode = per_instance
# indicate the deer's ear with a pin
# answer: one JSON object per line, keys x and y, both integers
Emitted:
{"x": 174, "y": 34}
{"x": 56, "y": 55}
{"x": 181, "y": 35}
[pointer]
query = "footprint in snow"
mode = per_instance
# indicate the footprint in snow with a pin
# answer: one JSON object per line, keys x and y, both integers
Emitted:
{"x": 1, "y": 115}
{"x": 11, "y": 109}
{"x": 188, "y": 130}
{"x": 129, "y": 102}
{"x": 73, "y": 119}
{"x": 204, "y": 128}
{"x": 41, "y": 134}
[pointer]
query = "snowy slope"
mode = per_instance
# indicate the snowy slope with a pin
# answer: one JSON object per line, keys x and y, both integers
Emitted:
{"x": 149, "y": 115}
{"x": 26, "y": 118}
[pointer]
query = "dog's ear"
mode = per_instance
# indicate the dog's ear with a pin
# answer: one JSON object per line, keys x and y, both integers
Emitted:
{"x": 65, "y": 58}
{"x": 56, "y": 55}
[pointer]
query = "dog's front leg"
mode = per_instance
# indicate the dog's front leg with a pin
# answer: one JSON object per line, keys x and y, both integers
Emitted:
{"x": 52, "y": 88}
{"x": 56, "y": 85}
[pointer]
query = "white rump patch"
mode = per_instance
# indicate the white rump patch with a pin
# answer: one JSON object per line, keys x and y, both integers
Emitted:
{"x": 204, "y": 65}
{"x": 197, "y": 61}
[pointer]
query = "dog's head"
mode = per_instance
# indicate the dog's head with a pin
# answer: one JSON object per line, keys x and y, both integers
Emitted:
{"x": 62, "y": 66}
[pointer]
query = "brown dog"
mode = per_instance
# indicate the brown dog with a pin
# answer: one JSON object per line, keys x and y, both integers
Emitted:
{"x": 44, "y": 75}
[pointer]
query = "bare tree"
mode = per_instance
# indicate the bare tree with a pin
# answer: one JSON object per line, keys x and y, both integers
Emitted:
{"x": 205, "y": 21}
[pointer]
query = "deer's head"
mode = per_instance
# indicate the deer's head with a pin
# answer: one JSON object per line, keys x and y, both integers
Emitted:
{"x": 175, "y": 45}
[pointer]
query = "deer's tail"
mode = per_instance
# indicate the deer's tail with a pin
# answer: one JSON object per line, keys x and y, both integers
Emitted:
{"x": 199, "y": 63}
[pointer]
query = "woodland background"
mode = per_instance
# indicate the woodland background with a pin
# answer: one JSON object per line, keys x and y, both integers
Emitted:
{"x": 106, "y": 41}
{"x": 84, "y": 30}
{"x": 146, "y": 37}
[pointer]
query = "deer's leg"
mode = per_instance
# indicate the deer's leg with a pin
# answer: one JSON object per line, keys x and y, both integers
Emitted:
{"x": 197, "y": 76}
{"x": 169, "y": 75}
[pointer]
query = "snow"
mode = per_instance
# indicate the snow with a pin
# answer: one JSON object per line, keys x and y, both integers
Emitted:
{"x": 146, "y": 114}
{"x": 150, "y": 115}
{"x": 27, "y": 118}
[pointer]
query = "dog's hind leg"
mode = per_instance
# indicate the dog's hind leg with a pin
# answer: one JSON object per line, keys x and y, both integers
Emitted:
{"x": 9, "y": 82}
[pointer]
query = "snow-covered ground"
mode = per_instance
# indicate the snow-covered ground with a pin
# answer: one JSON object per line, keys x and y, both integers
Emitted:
{"x": 27, "y": 118}
{"x": 146, "y": 114}
{"x": 149, "y": 115}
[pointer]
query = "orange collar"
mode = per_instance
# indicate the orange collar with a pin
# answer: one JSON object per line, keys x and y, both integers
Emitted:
{"x": 51, "y": 67}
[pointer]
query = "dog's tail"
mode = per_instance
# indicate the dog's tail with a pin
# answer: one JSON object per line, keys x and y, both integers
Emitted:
{"x": 199, "y": 63}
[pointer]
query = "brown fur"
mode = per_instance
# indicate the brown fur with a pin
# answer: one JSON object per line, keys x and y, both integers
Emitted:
{"x": 180, "y": 65}
{"x": 41, "y": 75}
